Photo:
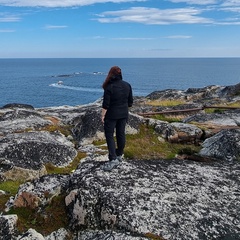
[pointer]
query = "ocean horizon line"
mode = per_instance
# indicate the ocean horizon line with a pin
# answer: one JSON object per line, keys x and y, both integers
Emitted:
{"x": 119, "y": 57}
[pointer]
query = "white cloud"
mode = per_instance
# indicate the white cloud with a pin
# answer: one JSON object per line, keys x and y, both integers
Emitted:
{"x": 55, "y": 26}
{"x": 154, "y": 16}
{"x": 58, "y": 3}
{"x": 231, "y": 3}
{"x": 97, "y": 37}
{"x": 7, "y": 30}
{"x": 197, "y": 2}
{"x": 179, "y": 37}
{"x": 132, "y": 39}
{"x": 10, "y": 19}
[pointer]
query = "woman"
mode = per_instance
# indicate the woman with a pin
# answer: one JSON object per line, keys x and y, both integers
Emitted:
{"x": 116, "y": 100}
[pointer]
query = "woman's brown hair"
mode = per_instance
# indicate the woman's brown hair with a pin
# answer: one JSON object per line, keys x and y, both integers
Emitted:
{"x": 114, "y": 71}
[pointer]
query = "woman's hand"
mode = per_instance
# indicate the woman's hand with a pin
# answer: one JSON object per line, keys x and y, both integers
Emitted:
{"x": 103, "y": 114}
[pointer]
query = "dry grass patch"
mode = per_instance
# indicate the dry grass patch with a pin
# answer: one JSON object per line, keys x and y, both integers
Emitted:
{"x": 165, "y": 103}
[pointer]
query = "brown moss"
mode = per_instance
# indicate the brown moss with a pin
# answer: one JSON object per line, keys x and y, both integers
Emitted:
{"x": 153, "y": 236}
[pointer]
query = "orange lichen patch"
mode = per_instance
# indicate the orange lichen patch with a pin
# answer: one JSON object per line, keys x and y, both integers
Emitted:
{"x": 54, "y": 120}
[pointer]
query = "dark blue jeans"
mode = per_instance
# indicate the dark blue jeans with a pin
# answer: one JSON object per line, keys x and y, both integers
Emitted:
{"x": 109, "y": 128}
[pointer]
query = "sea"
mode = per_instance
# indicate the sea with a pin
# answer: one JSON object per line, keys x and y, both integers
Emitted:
{"x": 55, "y": 82}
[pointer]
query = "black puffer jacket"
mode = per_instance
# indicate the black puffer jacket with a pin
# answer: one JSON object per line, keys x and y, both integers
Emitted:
{"x": 117, "y": 98}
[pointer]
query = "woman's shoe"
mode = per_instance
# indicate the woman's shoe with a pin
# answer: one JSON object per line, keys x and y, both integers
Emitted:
{"x": 110, "y": 165}
{"x": 120, "y": 158}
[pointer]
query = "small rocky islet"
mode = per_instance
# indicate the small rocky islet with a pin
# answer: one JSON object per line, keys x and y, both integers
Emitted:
{"x": 191, "y": 196}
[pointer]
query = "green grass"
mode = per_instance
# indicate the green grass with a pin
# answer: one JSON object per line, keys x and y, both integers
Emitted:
{"x": 51, "y": 169}
{"x": 220, "y": 110}
{"x": 165, "y": 103}
{"x": 162, "y": 117}
{"x": 3, "y": 201}
{"x": 146, "y": 145}
{"x": 11, "y": 187}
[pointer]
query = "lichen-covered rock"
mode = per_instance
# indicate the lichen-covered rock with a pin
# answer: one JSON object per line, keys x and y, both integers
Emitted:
{"x": 39, "y": 192}
{"x": 89, "y": 125}
{"x": 224, "y": 145}
{"x": 18, "y": 105}
{"x": 185, "y": 133}
{"x": 230, "y": 91}
{"x": 172, "y": 199}
{"x": 31, "y": 150}
{"x": 176, "y": 132}
{"x": 8, "y": 226}
{"x": 102, "y": 235}
{"x": 227, "y": 118}
{"x": 197, "y": 94}
{"x": 31, "y": 234}
{"x": 60, "y": 234}
{"x": 23, "y": 174}
{"x": 20, "y": 120}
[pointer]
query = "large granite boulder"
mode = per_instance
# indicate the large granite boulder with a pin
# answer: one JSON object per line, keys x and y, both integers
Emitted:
{"x": 224, "y": 145}
{"x": 20, "y": 120}
{"x": 228, "y": 118}
{"x": 172, "y": 199}
{"x": 176, "y": 132}
{"x": 39, "y": 192}
{"x": 198, "y": 94}
{"x": 230, "y": 91}
{"x": 89, "y": 125}
{"x": 31, "y": 150}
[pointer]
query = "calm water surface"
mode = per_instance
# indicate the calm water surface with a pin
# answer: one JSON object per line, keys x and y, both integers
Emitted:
{"x": 34, "y": 81}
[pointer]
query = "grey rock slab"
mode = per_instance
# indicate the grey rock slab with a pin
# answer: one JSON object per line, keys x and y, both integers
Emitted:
{"x": 172, "y": 199}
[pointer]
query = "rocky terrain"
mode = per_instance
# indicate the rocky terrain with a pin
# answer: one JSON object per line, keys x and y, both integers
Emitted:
{"x": 191, "y": 196}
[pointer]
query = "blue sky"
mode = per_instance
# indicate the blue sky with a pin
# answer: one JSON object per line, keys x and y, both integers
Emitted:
{"x": 119, "y": 28}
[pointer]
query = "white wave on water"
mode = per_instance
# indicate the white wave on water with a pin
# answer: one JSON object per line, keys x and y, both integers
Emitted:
{"x": 77, "y": 74}
{"x": 83, "y": 89}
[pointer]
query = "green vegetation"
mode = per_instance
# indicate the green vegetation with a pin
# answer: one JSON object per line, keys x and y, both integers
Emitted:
{"x": 146, "y": 145}
{"x": 65, "y": 130}
{"x": 169, "y": 119}
{"x": 51, "y": 169}
{"x": 49, "y": 219}
{"x": 165, "y": 103}
{"x": 235, "y": 104}
{"x": 10, "y": 187}
{"x": 214, "y": 110}
{"x": 3, "y": 201}
{"x": 221, "y": 109}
